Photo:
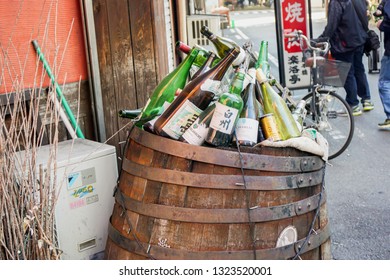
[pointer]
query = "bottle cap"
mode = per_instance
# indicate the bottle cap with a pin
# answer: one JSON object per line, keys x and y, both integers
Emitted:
{"x": 240, "y": 58}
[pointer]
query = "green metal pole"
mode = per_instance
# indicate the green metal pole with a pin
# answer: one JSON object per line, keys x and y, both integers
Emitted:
{"x": 58, "y": 90}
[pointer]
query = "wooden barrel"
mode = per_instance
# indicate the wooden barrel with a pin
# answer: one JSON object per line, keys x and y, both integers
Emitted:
{"x": 179, "y": 201}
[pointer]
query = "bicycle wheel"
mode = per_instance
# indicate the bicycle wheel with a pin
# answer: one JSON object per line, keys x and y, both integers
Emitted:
{"x": 334, "y": 121}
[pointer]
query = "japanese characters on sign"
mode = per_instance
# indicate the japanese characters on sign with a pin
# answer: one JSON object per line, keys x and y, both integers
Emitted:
{"x": 294, "y": 17}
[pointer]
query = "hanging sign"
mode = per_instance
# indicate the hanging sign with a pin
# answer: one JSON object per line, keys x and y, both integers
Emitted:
{"x": 292, "y": 15}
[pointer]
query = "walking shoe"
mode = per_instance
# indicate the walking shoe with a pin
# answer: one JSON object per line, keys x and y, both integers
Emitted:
{"x": 385, "y": 124}
{"x": 356, "y": 111}
{"x": 368, "y": 105}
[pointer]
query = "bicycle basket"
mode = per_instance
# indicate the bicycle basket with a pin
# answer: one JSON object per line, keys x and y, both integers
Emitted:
{"x": 333, "y": 72}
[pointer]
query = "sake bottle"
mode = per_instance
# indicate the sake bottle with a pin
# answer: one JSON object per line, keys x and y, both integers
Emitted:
{"x": 226, "y": 113}
{"x": 195, "y": 97}
{"x": 262, "y": 60}
{"x": 274, "y": 104}
{"x": 247, "y": 126}
{"x": 165, "y": 90}
{"x": 223, "y": 45}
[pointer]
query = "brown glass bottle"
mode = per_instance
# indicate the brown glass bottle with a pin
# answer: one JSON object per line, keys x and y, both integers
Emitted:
{"x": 193, "y": 99}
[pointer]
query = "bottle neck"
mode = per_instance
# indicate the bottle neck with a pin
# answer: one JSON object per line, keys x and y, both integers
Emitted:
{"x": 224, "y": 64}
{"x": 181, "y": 46}
{"x": 206, "y": 65}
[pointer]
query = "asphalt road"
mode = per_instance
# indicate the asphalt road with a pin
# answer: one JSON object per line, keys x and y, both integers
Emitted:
{"x": 357, "y": 182}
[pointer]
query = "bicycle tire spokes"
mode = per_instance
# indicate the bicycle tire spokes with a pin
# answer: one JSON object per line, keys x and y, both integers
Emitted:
{"x": 336, "y": 129}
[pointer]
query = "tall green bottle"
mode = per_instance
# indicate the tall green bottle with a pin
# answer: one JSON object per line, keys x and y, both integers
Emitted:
{"x": 226, "y": 113}
{"x": 165, "y": 90}
{"x": 275, "y": 104}
{"x": 262, "y": 60}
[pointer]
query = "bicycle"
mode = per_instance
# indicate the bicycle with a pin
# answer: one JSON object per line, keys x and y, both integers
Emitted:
{"x": 327, "y": 111}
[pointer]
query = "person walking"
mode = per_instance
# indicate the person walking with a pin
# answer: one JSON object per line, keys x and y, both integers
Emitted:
{"x": 347, "y": 36}
{"x": 384, "y": 75}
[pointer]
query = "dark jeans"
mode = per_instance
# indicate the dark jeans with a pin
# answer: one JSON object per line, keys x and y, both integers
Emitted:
{"x": 356, "y": 83}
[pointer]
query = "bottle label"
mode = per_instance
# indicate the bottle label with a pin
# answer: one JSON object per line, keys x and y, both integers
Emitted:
{"x": 247, "y": 129}
{"x": 193, "y": 70}
{"x": 211, "y": 86}
{"x": 185, "y": 116}
{"x": 197, "y": 133}
{"x": 224, "y": 118}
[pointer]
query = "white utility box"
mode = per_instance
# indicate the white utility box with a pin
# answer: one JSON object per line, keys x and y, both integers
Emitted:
{"x": 194, "y": 25}
{"x": 86, "y": 178}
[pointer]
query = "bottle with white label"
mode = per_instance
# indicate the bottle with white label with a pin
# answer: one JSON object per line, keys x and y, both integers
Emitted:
{"x": 226, "y": 113}
{"x": 197, "y": 132}
{"x": 247, "y": 126}
{"x": 195, "y": 97}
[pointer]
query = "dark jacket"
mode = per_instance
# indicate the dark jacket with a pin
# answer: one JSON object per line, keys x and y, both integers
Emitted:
{"x": 344, "y": 28}
{"x": 385, "y": 27}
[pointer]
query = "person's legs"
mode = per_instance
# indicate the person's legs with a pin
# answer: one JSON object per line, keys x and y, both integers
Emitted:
{"x": 384, "y": 85}
{"x": 350, "y": 82}
{"x": 363, "y": 89}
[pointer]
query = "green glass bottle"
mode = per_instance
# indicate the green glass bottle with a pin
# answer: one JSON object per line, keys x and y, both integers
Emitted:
{"x": 262, "y": 60}
{"x": 202, "y": 55}
{"x": 165, "y": 90}
{"x": 129, "y": 114}
{"x": 205, "y": 67}
{"x": 247, "y": 127}
{"x": 223, "y": 45}
{"x": 200, "y": 59}
{"x": 274, "y": 104}
{"x": 195, "y": 97}
{"x": 226, "y": 113}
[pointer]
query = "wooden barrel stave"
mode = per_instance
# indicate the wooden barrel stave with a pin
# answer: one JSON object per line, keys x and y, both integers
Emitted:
{"x": 193, "y": 237}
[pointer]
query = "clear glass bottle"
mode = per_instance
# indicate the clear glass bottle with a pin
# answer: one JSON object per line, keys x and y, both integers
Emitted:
{"x": 195, "y": 97}
{"x": 165, "y": 90}
{"x": 299, "y": 114}
{"x": 247, "y": 127}
{"x": 274, "y": 104}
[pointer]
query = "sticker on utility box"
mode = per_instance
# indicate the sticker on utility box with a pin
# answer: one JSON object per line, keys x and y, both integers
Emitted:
{"x": 81, "y": 188}
{"x": 81, "y": 178}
